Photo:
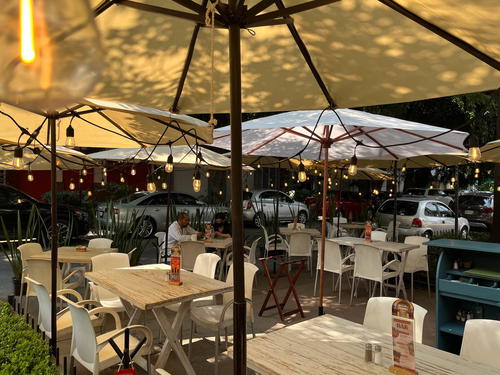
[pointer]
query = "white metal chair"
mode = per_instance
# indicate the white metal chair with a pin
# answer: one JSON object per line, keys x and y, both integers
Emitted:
{"x": 300, "y": 245}
{"x": 378, "y": 315}
{"x": 26, "y": 250}
{"x": 481, "y": 341}
{"x": 334, "y": 263}
{"x": 103, "y": 263}
{"x": 298, "y": 226}
{"x": 40, "y": 270}
{"x": 94, "y": 352}
{"x": 100, "y": 243}
{"x": 217, "y": 317}
{"x": 273, "y": 242}
{"x": 161, "y": 245}
{"x": 190, "y": 251}
{"x": 368, "y": 265}
{"x": 64, "y": 322}
{"x": 249, "y": 255}
{"x": 378, "y": 235}
{"x": 416, "y": 260}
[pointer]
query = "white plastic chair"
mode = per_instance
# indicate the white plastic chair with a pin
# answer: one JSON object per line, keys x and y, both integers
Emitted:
{"x": 273, "y": 242}
{"x": 378, "y": 315}
{"x": 300, "y": 245}
{"x": 94, "y": 352}
{"x": 416, "y": 260}
{"x": 368, "y": 265}
{"x": 26, "y": 250}
{"x": 378, "y": 235}
{"x": 40, "y": 270}
{"x": 160, "y": 236}
{"x": 217, "y": 317}
{"x": 100, "y": 243}
{"x": 481, "y": 341}
{"x": 249, "y": 255}
{"x": 334, "y": 263}
{"x": 298, "y": 226}
{"x": 190, "y": 251}
{"x": 103, "y": 263}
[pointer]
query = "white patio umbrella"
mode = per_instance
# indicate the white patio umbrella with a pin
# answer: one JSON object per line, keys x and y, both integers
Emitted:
{"x": 490, "y": 152}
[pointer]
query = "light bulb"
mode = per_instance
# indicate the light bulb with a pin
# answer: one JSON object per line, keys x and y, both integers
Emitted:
{"x": 207, "y": 174}
{"x": 80, "y": 180}
{"x": 393, "y": 182}
{"x": 403, "y": 169}
{"x": 220, "y": 192}
{"x": 70, "y": 137}
{"x": 105, "y": 172}
{"x": 293, "y": 177}
{"x": 498, "y": 188}
{"x": 197, "y": 181}
{"x": 164, "y": 185}
{"x": 84, "y": 172}
{"x": 476, "y": 175}
{"x": 375, "y": 192}
{"x": 453, "y": 179}
{"x": 430, "y": 187}
{"x": 272, "y": 185}
{"x": 31, "y": 178}
{"x": 158, "y": 177}
{"x": 302, "y": 176}
{"x": 352, "y": 170}
{"x": 103, "y": 182}
{"x": 136, "y": 189}
{"x": 307, "y": 178}
{"x": 71, "y": 184}
{"x": 319, "y": 182}
{"x": 474, "y": 151}
{"x": 286, "y": 184}
{"x": 169, "y": 166}
{"x": 258, "y": 165}
{"x": 476, "y": 171}
{"x": 51, "y": 53}
{"x": 151, "y": 187}
{"x": 390, "y": 195}
{"x": 251, "y": 173}
{"x": 247, "y": 189}
{"x": 122, "y": 179}
{"x": 89, "y": 193}
{"x": 18, "y": 162}
{"x": 315, "y": 171}
{"x": 59, "y": 162}
{"x": 133, "y": 172}
{"x": 359, "y": 194}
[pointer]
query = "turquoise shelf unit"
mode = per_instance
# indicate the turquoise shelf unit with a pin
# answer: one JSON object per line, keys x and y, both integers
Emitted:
{"x": 456, "y": 290}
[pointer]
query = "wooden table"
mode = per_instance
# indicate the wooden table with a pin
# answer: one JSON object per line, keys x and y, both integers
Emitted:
{"x": 349, "y": 241}
{"x": 147, "y": 289}
{"x": 69, "y": 254}
{"x": 288, "y": 231}
{"x": 353, "y": 227}
{"x": 328, "y": 345}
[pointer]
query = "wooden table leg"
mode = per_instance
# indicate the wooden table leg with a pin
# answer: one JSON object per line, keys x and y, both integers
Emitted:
{"x": 172, "y": 341}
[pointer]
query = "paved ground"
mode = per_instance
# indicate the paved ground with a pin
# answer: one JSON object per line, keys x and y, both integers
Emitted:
{"x": 203, "y": 348}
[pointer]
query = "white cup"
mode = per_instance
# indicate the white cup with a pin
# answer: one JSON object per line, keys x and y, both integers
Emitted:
{"x": 194, "y": 237}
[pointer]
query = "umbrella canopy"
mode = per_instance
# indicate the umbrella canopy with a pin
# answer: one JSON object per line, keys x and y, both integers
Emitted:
{"x": 182, "y": 156}
{"x": 374, "y": 136}
{"x": 347, "y": 53}
{"x": 99, "y": 123}
{"x": 38, "y": 157}
{"x": 490, "y": 152}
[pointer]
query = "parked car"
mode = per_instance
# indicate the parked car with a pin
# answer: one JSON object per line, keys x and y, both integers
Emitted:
{"x": 351, "y": 203}
{"x": 477, "y": 208}
{"x": 152, "y": 209}
{"x": 435, "y": 194}
{"x": 13, "y": 201}
{"x": 421, "y": 217}
{"x": 261, "y": 204}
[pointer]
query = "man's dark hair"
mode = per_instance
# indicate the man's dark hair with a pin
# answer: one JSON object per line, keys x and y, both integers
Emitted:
{"x": 220, "y": 215}
{"x": 180, "y": 215}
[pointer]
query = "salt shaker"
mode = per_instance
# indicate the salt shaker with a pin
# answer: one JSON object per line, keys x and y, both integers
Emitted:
{"x": 377, "y": 354}
{"x": 368, "y": 353}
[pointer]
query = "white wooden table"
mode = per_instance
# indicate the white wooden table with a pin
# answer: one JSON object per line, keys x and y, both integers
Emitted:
{"x": 68, "y": 254}
{"x": 147, "y": 289}
{"x": 327, "y": 345}
{"x": 288, "y": 231}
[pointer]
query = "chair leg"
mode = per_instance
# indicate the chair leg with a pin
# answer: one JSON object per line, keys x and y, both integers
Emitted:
{"x": 225, "y": 336}
{"x": 252, "y": 328}
{"x": 190, "y": 339}
{"x": 217, "y": 341}
{"x": 26, "y": 299}
{"x": 381, "y": 286}
{"x": 22, "y": 287}
{"x": 352, "y": 288}
{"x": 315, "y": 282}
{"x": 340, "y": 288}
{"x": 428, "y": 285}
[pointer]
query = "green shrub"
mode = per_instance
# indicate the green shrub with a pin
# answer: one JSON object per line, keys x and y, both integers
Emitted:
{"x": 22, "y": 350}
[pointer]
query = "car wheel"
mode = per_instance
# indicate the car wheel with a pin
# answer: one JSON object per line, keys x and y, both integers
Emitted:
{"x": 258, "y": 220}
{"x": 428, "y": 234}
{"x": 302, "y": 217}
{"x": 63, "y": 233}
{"x": 464, "y": 233}
{"x": 147, "y": 227}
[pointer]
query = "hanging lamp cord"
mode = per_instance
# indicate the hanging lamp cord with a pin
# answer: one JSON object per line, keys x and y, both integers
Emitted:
{"x": 210, "y": 21}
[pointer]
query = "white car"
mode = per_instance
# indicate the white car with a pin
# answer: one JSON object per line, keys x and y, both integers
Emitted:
{"x": 435, "y": 194}
{"x": 421, "y": 217}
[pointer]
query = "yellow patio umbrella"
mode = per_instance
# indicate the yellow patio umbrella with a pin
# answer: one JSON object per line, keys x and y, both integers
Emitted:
{"x": 490, "y": 152}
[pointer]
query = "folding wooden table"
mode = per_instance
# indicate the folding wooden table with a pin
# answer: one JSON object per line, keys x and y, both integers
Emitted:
{"x": 147, "y": 289}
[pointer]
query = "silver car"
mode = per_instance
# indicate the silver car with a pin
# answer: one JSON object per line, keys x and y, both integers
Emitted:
{"x": 261, "y": 204}
{"x": 421, "y": 217}
{"x": 435, "y": 194}
{"x": 153, "y": 209}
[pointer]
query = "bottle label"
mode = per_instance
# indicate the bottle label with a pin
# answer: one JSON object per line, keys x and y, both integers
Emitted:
{"x": 175, "y": 266}
{"x": 368, "y": 232}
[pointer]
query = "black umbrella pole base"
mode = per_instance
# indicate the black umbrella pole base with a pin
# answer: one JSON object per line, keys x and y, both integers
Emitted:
{"x": 321, "y": 310}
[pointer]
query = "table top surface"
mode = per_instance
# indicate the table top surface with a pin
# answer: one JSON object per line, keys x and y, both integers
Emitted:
{"x": 393, "y": 247}
{"x": 488, "y": 247}
{"x": 217, "y": 243}
{"x": 312, "y": 231}
{"x": 352, "y": 225}
{"x": 330, "y": 345}
{"x": 148, "y": 288}
{"x": 68, "y": 254}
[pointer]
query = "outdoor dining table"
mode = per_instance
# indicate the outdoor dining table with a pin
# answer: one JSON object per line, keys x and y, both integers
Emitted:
{"x": 146, "y": 289}
{"x": 288, "y": 231}
{"x": 68, "y": 254}
{"x": 331, "y": 345}
{"x": 388, "y": 246}
{"x": 354, "y": 228}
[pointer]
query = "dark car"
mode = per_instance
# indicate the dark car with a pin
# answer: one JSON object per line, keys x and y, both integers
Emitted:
{"x": 477, "y": 208}
{"x": 13, "y": 201}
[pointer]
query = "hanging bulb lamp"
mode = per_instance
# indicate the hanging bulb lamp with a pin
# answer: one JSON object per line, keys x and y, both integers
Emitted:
{"x": 17, "y": 161}
{"x": 246, "y": 188}
{"x": 164, "y": 185}
{"x": 71, "y": 184}
{"x": 70, "y": 137}
{"x": 122, "y": 179}
{"x": 133, "y": 172}
{"x": 197, "y": 181}
{"x": 453, "y": 179}
{"x": 51, "y": 53}
{"x": 89, "y": 193}
{"x": 31, "y": 178}
{"x": 169, "y": 166}
{"x": 474, "y": 150}
{"x": 84, "y": 172}
{"x": 352, "y": 170}
{"x": 103, "y": 183}
{"x": 207, "y": 174}
{"x": 151, "y": 187}
{"x": 302, "y": 176}
{"x": 80, "y": 180}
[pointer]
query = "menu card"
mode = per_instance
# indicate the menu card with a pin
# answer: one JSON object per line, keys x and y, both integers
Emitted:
{"x": 403, "y": 345}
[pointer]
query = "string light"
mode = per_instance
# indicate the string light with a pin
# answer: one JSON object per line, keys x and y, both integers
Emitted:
{"x": 476, "y": 175}
{"x": 293, "y": 177}
{"x": 286, "y": 184}
{"x": 474, "y": 150}
{"x": 70, "y": 136}
{"x": 133, "y": 172}
{"x": 302, "y": 176}
{"x": 151, "y": 187}
{"x": 164, "y": 185}
{"x": 158, "y": 177}
{"x": 31, "y": 178}
{"x": 431, "y": 187}
{"x": 89, "y": 193}
{"x": 136, "y": 189}
{"x": 18, "y": 162}
{"x": 476, "y": 171}
{"x": 103, "y": 183}
{"x": 375, "y": 192}
{"x": 403, "y": 169}
{"x": 207, "y": 174}
{"x": 352, "y": 170}
{"x": 169, "y": 166}
{"x": 258, "y": 165}
{"x": 197, "y": 181}
{"x": 80, "y": 180}
{"x": 105, "y": 171}
{"x": 71, "y": 184}
{"x": 59, "y": 162}
{"x": 272, "y": 185}
{"x": 498, "y": 188}
{"x": 453, "y": 180}
{"x": 122, "y": 179}
{"x": 84, "y": 172}
{"x": 315, "y": 171}
{"x": 220, "y": 192}
{"x": 246, "y": 188}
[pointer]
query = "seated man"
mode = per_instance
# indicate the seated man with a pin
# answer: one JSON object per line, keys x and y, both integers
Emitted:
{"x": 179, "y": 228}
{"x": 222, "y": 229}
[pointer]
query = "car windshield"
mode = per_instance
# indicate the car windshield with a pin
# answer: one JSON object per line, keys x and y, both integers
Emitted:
{"x": 415, "y": 192}
{"x": 133, "y": 197}
{"x": 474, "y": 200}
{"x": 405, "y": 208}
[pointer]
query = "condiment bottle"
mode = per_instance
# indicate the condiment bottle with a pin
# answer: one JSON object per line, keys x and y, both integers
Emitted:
{"x": 368, "y": 353}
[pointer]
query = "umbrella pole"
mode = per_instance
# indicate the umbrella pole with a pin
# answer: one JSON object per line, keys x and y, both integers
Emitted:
{"x": 323, "y": 231}
{"x": 456, "y": 201}
{"x": 54, "y": 230}
{"x": 395, "y": 192}
{"x": 239, "y": 307}
{"x": 169, "y": 191}
{"x": 276, "y": 210}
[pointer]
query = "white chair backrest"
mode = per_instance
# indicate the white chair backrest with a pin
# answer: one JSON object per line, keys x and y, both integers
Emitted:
{"x": 250, "y": 271}
{"x": 190, "y": 251}
{"x": 28, "y": 249}
{"x": 300, "y": 244}
{"x": 40, "y": 270}
{"x": 297, "y": 226}
{"x": 333, "y": 256}
{"x": 205, "y": 264}
{"x": 266, "y": 236}
{"x": 367, "y": 262}
{"x": 416, "y": 260}
{"x": 100, "y": 243}
{"x": 161, "y": 239}
{"x": 481, "y": 341}
{"x": 105, "y": 262}
{"x": 390, "y": 231}
{"x": 83, "y": 341}
{"x": 378, "y": 315}
{"x": 378, "y": 235}
{"x": 253, "y": 251}
{"x": 44, "y": 307}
